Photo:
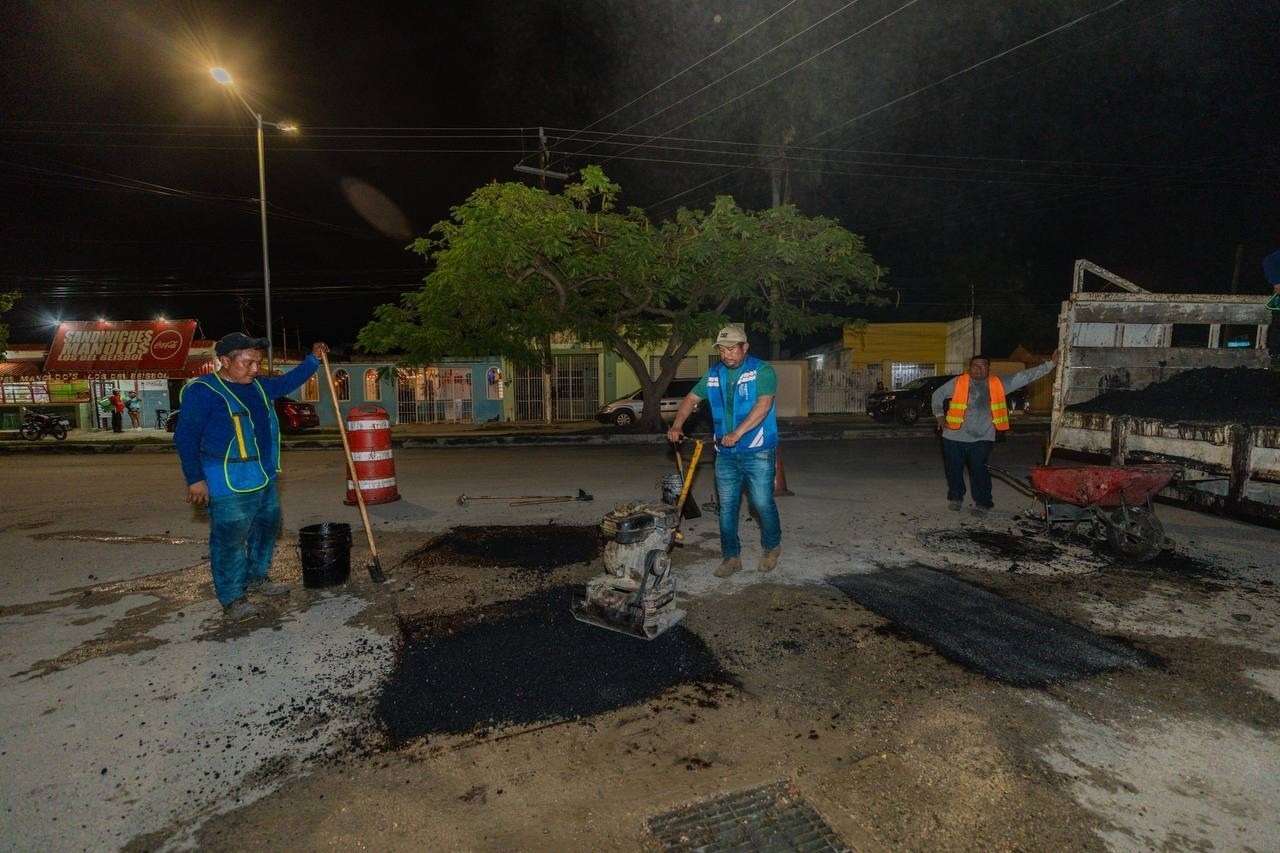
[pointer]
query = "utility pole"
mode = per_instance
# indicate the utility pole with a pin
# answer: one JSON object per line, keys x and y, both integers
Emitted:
{"x": 541, "y": 171}
{"x": 973, "y": 321}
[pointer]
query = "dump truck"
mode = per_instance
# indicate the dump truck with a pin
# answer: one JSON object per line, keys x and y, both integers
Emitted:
{"x": 1114, "y": 335}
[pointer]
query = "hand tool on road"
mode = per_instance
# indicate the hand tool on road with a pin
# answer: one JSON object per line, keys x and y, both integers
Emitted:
{"x": 519, "y": 500}
{"x": 375, "y": 568}
{"x": 691, "y": 508}
{"x": 580, "y": 496}
{"x": 684, "y": 492}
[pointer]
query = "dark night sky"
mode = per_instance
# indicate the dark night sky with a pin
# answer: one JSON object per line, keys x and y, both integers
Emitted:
{"x": 967, "y": 140}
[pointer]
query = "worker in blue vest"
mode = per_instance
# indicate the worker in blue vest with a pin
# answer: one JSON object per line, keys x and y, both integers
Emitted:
{"x": 228, "y": 441}
{"x": 740, "y": 390}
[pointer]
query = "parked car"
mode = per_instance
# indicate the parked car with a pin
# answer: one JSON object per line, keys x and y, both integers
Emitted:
{"x": 913, "y": 401}
{"x": 626, "y": 411}
{"x": 908, "y": 403}
{"x": 293, "y": 416}
{"x": 296, "y": 416}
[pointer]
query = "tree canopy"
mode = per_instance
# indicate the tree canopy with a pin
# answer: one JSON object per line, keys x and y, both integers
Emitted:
{"x": 514, "y": 266}
{"x": 7, "y": 300}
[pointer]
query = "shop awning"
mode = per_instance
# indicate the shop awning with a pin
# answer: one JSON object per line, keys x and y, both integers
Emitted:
{"x": 18, "y": 370}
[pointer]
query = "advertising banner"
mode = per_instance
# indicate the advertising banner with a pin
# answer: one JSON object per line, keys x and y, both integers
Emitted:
{"x": 93, "y": 349}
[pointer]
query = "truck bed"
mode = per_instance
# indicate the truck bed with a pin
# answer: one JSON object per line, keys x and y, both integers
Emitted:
{"x": 1124, "y": 340}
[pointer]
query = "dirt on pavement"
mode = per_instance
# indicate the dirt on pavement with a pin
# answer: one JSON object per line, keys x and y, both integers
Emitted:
{"x": 457, "y": 707}
{"x": 893, "y": 744}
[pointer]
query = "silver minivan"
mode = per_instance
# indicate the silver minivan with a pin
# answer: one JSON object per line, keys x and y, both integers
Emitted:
{"x": 625, "y": 411}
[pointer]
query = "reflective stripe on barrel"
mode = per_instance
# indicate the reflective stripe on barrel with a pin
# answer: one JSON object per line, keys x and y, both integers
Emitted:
{"x": 367, "y": 486}
{"x": 369, "y": 437}
{"x": 357, "y": 426}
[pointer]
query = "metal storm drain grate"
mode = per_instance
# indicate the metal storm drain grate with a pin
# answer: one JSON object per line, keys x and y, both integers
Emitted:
{"x": 771, "y": 817}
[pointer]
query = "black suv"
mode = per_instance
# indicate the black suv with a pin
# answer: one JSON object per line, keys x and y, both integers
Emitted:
{"x": 907, "y": 404}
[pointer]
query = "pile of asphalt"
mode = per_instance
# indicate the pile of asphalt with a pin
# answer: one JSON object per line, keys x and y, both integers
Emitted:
{"x": 526, "y": 662}
{"x": 532, "y": 547}
{"x": 1239, "y": 395}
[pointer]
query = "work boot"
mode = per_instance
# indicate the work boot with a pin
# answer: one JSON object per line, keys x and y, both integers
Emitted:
{"x": 954, "y": 506}
{"x": 728, "y": 566}
{"x": 240, "y": 610}
{"x": 980, "y": 511}
{"x": 769, "y": 559}
{"x": 267, "y": 588}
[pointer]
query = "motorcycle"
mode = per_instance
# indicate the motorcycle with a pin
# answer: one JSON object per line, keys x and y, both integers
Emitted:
{"x": 36, "y": 425}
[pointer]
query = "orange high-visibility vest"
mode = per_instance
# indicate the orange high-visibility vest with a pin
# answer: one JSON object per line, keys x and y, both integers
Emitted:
{"x": 960, "y": 402}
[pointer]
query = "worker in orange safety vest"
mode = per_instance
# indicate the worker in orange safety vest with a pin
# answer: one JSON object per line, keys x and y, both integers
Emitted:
{"x": 976, "y": 411}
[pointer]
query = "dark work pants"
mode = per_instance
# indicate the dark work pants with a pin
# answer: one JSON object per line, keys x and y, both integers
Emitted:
{"x": 959, "y": 455}
{"x": 117, "y": 422}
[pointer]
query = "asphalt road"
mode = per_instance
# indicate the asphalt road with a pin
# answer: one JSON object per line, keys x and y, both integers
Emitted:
{"x": 132, "y": 713}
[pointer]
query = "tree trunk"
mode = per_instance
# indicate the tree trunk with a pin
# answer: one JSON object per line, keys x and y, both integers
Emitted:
{"x": 653, "y": 388}
{"x": 548, "y": 368}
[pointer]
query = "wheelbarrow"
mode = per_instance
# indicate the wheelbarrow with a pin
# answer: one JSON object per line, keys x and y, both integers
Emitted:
{"x": 1115, "y": 500}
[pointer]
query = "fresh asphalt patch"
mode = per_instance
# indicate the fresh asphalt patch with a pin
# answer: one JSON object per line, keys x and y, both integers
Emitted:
{"x": 524, "y": 662}
{"x": 1003, "y": 640}
{"x": 526, "y": 547}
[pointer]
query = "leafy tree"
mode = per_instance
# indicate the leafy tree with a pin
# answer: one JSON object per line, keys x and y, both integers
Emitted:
{"x": 7, "y": 301}
{"x": 515, "y": 266}
{"x": 793, "y": 274}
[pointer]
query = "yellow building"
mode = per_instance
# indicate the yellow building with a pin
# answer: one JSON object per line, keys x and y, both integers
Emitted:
{"x": 905, "y": 351}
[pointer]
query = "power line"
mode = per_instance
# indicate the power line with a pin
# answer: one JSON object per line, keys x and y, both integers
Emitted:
{"x": 749, "y": 63}
{"x": 689, "y": 68}
{"x": 918, "y": 91}
{"x": 787, "y": 71}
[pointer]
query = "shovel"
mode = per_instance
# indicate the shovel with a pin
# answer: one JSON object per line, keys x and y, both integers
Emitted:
{"x": 375, "y": 568}
{"x": 678, "y": 534}
{"x": 690, "y": 510}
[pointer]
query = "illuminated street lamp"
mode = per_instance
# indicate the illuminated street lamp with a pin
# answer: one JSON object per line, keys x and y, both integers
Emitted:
{"x": 224, "y": 77}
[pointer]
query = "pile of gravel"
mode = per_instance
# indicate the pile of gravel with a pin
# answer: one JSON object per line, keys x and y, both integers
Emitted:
{"x": 1240, "y": 395}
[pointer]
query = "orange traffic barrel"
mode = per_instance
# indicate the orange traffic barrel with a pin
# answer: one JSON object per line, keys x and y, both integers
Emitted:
{"x": 369, "y": 435}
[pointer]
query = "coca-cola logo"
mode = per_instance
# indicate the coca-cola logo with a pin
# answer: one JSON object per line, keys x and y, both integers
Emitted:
{"x": 166, "y": 345}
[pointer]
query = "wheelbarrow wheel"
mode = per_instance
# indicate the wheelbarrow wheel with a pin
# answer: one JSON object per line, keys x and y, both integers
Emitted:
{"x": 1135, "y": 533}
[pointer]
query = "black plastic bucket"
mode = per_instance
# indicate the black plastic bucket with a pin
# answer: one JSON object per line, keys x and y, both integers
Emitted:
{"x": 326, "y": 554}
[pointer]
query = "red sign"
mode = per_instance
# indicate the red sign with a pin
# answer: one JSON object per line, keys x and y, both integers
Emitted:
{"x": 123, "y": 347}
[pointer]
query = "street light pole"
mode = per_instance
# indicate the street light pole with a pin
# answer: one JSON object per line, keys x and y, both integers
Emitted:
{"x": 266, "y": 261}
{"x": 224, "y": 77}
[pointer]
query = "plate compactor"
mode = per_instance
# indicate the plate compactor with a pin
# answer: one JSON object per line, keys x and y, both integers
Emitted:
{"x": 636, "y": 593}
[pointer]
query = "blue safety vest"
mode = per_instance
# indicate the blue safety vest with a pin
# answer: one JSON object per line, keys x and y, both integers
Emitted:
{"x": 764, "y": 436}
{"x": 238, "y": 466}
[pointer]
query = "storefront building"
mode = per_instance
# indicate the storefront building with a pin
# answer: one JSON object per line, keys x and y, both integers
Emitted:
{"x": 88, "y": 360}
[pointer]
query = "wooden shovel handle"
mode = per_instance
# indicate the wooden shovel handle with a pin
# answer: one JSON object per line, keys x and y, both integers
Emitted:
{"x": 346, "y": 448}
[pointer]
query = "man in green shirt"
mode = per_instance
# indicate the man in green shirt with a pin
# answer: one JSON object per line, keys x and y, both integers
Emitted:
{"x": 740, "y": 390}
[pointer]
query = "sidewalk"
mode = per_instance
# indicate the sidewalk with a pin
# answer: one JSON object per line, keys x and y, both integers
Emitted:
{"x": 813, "y": 427}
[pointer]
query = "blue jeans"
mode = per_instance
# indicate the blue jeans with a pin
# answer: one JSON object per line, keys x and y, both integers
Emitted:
{"x": 757, "y": 470}
{"x": 242, "y": 539}
{"x": 958, "y": 455}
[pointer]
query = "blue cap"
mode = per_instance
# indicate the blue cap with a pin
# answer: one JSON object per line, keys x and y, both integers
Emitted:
{"x": 237, "y": 341}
